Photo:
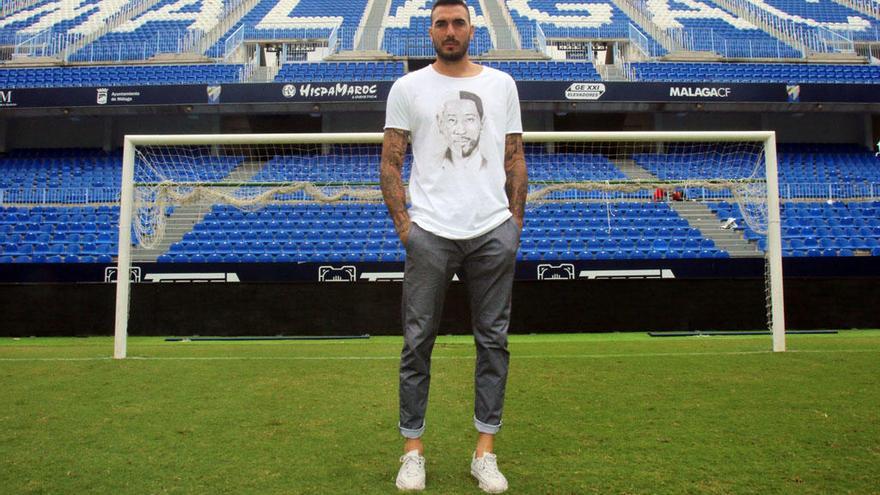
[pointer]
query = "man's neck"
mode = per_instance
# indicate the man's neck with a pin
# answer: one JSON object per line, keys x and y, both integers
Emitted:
{"x": 458, "y": 68}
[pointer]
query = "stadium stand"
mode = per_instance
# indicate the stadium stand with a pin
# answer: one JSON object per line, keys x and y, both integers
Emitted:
{"x": 60, "y": 204}
{"x": 173, "y": 26}
{"x": 165, "y": 27}
{"x": 830, "y": 14}
{"x": 49, "y": 234}
{"x": 756, "y": 72}
{"x": 44, "y": 227}
{"x": 405, "y": 29}
{"x": 594, "y": 20}
{"x": 365, "y": 233}
{"x": 533, "y": 70}
{"x": 63, "y": 77}
{"x": 318, "y": 168}
{"x": 827, "y": 164}
{"x": 696, "y": 166}
{"x": 340, "y": 71}
{"x": 820, "y": 229}
{"x": 57, "y": 16}
{"x": 638, "y": 230}
{"x": 835, "y": 227}
{"x": 71, "y": 168}
{"x": 309, "y": 19}
{"x": 706, "y": 26}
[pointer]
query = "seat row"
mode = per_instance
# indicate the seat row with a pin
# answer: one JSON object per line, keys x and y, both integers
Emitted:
{"x": 55, "y": 258}
{"x": 769, "y": 72}
{"x": 57, "y": 77}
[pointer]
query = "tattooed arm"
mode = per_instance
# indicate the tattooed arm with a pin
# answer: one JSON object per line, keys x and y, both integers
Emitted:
{"x": 391, "y": 180}
{"x": 517, "y": 183}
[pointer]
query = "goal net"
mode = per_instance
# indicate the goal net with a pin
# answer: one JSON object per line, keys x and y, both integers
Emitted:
{"x": 618, "y": 195}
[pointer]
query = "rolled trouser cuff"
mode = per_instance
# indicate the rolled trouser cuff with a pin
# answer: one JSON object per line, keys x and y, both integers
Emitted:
{"x": 409, "y": 433}
{"x": 485, "y": 428}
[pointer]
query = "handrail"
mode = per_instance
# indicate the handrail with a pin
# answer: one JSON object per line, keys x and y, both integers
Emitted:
{"x": 806, "y": 38}
{"x": 233, "y": 11}
{"x": 514, "y": 30}
{"x": 641, "y": 15}
{"x": 867, "y": 7}
{"x": 540, "y": 39}
{"x": 233, "y": 42}
{"x": 12, "y": 6}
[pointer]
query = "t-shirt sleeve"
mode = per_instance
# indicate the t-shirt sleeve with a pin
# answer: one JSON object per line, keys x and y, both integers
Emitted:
{"x": 514, "y": 119}
{"x": 397, "y": 109}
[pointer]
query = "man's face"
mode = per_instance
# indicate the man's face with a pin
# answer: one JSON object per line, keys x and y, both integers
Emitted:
{"x": 451, "y": 32}
{"x": 460, "y": 124}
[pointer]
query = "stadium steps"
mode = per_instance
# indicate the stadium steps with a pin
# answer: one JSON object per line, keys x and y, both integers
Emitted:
{"x": 633, "y": 170}
{"x": 700, "y": 217}
{"x": 367, "y": 37}
{"x": 610, "y": 72}
{"x": 263, "y": 74}
{"x": 177, "y": 225}
{"x": 501, "y": 30}
{"x": 184, "y": 218}
{"x": 221, "y": 28}
{"x": 629, "y": 7}
{"x": 691, "y": 56}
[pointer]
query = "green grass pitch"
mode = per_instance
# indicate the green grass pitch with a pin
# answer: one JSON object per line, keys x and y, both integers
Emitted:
{"x": 604, "y": 414}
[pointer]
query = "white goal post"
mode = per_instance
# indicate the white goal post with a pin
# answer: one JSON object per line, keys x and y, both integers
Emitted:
{"x": 146, "y": 197}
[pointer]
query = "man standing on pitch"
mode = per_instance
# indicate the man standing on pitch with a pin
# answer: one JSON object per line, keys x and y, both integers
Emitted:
{"x": 467, "y": 190}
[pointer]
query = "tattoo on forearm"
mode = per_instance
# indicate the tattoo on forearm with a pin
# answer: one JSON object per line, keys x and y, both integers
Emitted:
{"x": 517, "y": 182}
{"x": 391, "y": 175}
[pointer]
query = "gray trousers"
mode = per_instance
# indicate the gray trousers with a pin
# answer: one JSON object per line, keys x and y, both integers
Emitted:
{"x": 486, "y": 265}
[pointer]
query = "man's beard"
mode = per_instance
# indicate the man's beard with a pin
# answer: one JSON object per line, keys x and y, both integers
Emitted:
{"x": 466, "y": 147}
{"x": 451, "y": 56}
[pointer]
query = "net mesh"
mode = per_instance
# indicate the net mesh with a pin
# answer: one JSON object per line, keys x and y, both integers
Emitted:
{"x": 178, "y": 185}
{"x": 583, "y": 191}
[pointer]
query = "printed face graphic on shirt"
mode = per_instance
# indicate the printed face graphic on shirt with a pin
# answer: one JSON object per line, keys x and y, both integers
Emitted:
{"x": 460, "y": 122}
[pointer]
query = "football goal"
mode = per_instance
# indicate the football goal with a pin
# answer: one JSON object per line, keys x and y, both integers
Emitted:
{"x": 617, "y": 195}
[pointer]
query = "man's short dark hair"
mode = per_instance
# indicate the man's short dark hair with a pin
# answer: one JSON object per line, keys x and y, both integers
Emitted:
{"x": 467, "y": 95}
{"x": 442, "y": 3}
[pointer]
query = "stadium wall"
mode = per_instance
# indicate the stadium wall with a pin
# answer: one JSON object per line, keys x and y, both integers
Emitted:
{"x": 107, "y": 132}
{"x": 789, "y": 127}
{"x": 356, "y": 309}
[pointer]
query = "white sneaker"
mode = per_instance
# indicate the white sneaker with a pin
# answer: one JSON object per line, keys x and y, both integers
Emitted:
{"x": 485, "y": 470}
{"x": 412, "y": 472}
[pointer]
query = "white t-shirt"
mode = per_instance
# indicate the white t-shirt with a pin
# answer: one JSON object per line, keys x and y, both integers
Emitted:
{"x": 458, "y": 127}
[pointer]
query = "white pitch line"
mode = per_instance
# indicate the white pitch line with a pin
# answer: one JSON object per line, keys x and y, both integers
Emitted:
{"x": 34, "y": 360}
{"x": 514, "y": 356}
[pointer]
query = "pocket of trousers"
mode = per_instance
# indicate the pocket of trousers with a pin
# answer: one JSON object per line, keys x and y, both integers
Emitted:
{"x": 517, "y": 233}
{"x": 409, "y": 238}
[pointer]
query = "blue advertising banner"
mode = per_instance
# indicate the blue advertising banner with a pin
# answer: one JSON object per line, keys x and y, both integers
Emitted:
{"x": 377, "y": 91}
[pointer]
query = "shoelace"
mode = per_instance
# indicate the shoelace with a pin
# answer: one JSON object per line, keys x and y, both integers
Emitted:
{"x": 489, "y": 465}
{"x": 411, "y": 464}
